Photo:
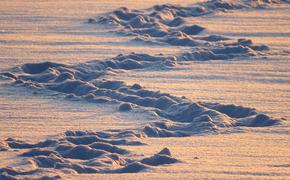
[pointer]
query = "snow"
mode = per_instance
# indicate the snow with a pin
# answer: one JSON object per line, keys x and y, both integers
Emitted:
{"x": 89, "y": 100}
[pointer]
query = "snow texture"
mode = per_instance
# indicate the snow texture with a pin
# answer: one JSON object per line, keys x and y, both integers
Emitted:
{"x": 105, "y": 152}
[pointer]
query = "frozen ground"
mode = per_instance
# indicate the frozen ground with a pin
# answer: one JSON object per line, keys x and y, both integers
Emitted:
{"x": 52, "y": 31}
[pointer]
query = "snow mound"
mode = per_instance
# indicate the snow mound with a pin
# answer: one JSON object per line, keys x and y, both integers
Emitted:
{"x": 79, "y": 152}
{"x": 133, "y": 168}
{"x": 16, "y": 144}
{"x": 166, "y": 25}
{"x": 100, "y": 152}
{"x": 163, "y": 157}
{"x": 86, "y": 156}
{"x": 108, "y": 147}
{"x": 177, "y": 116}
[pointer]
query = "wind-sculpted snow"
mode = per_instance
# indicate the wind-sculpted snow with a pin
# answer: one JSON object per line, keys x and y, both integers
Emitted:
{"x": 103, "y": 152}
{"x": 167, "y": 25}
{"x": 169, "y": 15}
{"x": 86, "y": 82}
{"x": 95, "y": 152}
{"x": 77, "y": 152}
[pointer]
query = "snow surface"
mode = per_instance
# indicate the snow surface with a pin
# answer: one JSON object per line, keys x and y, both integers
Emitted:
{"x": 81, "y": 97}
